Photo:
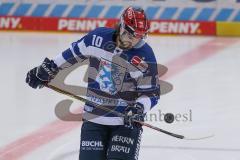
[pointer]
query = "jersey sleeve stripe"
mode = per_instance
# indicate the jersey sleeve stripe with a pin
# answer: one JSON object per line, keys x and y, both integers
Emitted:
{"x": 69, "y": 57}
{"x": 59, "y": 60}
{"x": 146, "y": 101}
{"x": 77, "y": 51}
{"x": 154, "y": 101}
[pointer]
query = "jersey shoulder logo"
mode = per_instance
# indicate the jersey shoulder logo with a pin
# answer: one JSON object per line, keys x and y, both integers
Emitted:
{"x": 139, "y": 63}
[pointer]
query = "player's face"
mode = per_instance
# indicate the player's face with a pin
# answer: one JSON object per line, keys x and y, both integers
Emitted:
{"x": 128, "y": 39}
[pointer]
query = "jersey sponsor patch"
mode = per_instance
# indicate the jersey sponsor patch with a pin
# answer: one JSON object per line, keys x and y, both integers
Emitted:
{"x": 139, "y": 63}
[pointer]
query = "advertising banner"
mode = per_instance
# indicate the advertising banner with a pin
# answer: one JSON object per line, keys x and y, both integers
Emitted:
{"x": 183, "y": 27}
{"x": 88, "y": 24}
{"x": 190, "y": 10}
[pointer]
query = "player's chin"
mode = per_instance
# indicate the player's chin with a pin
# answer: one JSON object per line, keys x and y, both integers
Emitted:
{"x": 126, "y": 45}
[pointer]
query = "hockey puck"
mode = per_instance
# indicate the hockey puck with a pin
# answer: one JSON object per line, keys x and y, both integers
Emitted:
{"x": 169, "y": 117}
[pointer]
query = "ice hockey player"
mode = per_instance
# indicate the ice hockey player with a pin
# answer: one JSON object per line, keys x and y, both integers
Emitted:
{"x": 122, "y": 76}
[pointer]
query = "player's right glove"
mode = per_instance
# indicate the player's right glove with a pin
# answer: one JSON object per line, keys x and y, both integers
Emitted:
{"x": 43, "y": 74}
{"x": 134, "y": 113}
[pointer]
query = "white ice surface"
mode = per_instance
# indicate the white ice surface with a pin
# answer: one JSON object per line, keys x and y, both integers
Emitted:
{"x": 210, "y": 89}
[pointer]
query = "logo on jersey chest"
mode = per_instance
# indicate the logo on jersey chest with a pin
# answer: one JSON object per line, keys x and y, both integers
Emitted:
{"x": 110, "y": 76}
{"x": 139, "y": 63}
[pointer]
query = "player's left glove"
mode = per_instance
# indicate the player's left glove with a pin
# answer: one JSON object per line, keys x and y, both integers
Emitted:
{"x": 134, "y": 113}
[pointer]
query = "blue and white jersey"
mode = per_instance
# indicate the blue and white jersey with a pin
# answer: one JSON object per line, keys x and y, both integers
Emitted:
{"x": 116, "y": 77}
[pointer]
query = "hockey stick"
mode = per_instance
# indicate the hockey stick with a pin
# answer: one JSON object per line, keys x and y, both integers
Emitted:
{"x": 120, "y": 114}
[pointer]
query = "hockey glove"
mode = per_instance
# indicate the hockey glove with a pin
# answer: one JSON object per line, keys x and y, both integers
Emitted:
{"x": 42, "y": 74}
{"x": 134, "y": 113}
